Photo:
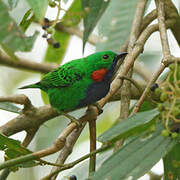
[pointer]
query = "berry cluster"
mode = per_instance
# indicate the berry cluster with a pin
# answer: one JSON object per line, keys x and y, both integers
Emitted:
{"x": 169, "y": 107}
{"x": 46, "y": 25}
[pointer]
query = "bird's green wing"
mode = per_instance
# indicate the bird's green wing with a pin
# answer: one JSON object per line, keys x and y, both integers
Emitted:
{"x": 62, "y": 77}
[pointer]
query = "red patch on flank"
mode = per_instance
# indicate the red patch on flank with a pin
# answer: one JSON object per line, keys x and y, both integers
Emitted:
{"x": 99, "y": 75}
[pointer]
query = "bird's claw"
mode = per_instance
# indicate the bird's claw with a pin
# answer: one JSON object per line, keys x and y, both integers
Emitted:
{"x": 100, "y": 110}
{"x": 72, "y": 119}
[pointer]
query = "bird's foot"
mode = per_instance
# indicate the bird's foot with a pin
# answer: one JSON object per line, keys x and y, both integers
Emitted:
{"x": 100, "y": 110}
{"x": 72, "y": 119}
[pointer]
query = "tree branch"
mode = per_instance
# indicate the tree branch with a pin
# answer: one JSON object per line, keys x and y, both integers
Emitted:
{"x": 37, "y": 120}
{"x": 66, "y": 151}
{"x": 125, "y": 89}
{"x": 72, "y": 164}
{"x": 27, "y": 64}
{"x": 19, "y": 99}
{"x": 162, "y": 27}
{"x": 172, "y": 13}
{"x": 52, "y": 113}
{"x": 130, "y": 58}
{"x": 166, "y": 52}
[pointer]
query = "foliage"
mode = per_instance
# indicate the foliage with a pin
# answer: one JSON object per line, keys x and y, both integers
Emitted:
{"x": 94, "y": 11}
{"x": 147, "y": 136}
{"x": 13, "y": 149}
{"x": 12, "y": 38}
{"x": 136, "y": 157}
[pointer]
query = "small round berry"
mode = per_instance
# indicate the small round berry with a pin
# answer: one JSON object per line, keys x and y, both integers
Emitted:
{"x": 52, "y": 4}
{"x": 174, "y": 135}
{"x": 46, "y": 20}
{"x": 158, "y": 91}
{"x": 50, "y": 30}
{"x": 164, "y": 96}
{"x": 44, "y": 35}
{"x": 73, "y": 177}
{"x": 175, "y": 129}
{"x": 45, "y": 26}
{"x": 154, "y": 86}
{"x": 165, "y": 133}
{"x": 56, "y": 44}
{"x": 160, "y": 107}
{"x": 50, "y": 40}
{"x": 175, "y": 111}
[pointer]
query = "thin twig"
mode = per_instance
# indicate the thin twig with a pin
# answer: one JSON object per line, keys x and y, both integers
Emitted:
{"x": 125, "y": 89}
{"x": 137, "y": 22}
{"x": 72, "y": 138}
{"x": 162, "y": 28}
{"x": 67, "y": 149}
{"x": 166, "y": 52}
{"x": 29, "y": 136}
{"x": 146, "y": 91}
{"x": 92, "y": 133}
{"x": 134, "y": 82}
{"x": 72, "y": 164}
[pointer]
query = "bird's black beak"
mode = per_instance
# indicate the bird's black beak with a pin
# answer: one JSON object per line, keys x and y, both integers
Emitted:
{"x": 121, "y": 55}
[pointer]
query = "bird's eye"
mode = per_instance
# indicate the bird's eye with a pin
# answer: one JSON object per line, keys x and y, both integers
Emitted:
{"x": 105, "y": 56}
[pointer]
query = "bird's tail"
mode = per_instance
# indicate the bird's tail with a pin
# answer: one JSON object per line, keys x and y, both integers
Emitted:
{"x": 36, "y": 85}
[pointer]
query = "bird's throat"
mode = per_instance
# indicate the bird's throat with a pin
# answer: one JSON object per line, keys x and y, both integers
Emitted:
{"x": 99, "y": 74}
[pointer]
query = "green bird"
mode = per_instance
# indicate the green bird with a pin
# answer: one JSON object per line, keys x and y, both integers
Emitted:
{"x": 80, "y": 82}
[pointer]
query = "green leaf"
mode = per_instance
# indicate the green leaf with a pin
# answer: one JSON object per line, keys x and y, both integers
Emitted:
{"x": 146, "y": 106}
{"x": 39, "y": 8}
{"x": 9, "y": 107}
{"x": 12, "y": 38}
{"x": 115, "y": 25}
{"x": 172, "y": 164}
{"x": 13, "y": 149}
{"x": 27, "y": 20}
{"x": 95, "y": 10}
{"x": 137, "y": 157}
{"x": 130, "y": 124}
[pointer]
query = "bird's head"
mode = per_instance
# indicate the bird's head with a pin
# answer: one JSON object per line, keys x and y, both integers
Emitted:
{"x": 105, "y": 59}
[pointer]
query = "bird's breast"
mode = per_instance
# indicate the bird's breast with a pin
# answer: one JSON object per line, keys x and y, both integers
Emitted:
{"x": 95, "y": 92}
